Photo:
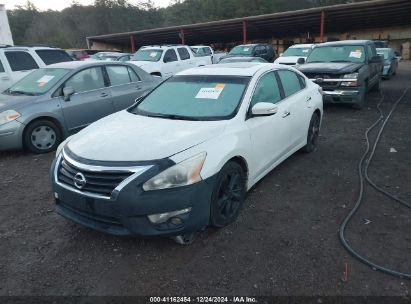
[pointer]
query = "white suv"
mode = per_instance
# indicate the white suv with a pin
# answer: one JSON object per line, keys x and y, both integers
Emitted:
{"x": 166, "y": 60}
{"x": 184, "y": 156}
{"x": 17, "y": 62}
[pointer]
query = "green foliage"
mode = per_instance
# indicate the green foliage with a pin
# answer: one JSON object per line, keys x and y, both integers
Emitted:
{"x": 70, "y": 27}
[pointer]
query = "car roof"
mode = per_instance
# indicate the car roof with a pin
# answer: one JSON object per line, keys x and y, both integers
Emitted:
{"x": 228, "y": 69}
{"x": 26, "y": 48}
{"x": 72, "y": 65}
{"x": 344, "y": 42}
{"x": 250, "y": 44}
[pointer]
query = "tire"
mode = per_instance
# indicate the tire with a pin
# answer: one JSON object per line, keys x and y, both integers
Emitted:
{"x": 42, "y": 136}
{"x": 313, "y": 134}
{"x": 228, "y": 195}
{"x": 361, "y": 102}
{"x": 377, "y": 86}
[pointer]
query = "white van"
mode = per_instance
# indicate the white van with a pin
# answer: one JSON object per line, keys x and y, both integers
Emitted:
{"x": 17, "y": 62}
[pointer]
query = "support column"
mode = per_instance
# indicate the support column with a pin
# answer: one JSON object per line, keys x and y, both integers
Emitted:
{"x": 183, "y": 39}
{"x": 244, "y": 32}
{"x": 133, "y": 44}
{"x": 322, "y": 26}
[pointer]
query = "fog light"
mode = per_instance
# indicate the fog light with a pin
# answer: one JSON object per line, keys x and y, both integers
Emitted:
{"x": 56, "y": 195}
{"x": 164, "y": 217}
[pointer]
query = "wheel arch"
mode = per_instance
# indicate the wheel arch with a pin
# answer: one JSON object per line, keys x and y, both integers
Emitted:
{"x": 45, "y": 117}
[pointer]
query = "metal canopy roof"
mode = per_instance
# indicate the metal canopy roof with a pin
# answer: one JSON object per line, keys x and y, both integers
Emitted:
{"x": 338, "y": 18}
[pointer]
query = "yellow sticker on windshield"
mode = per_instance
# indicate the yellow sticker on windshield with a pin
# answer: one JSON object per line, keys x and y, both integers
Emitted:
{"x": 220, "y": 86}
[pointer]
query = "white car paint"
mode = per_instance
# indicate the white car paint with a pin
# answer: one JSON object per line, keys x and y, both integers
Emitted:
{"x": 168, "y": 69}
{"x": 215, "y": 57}
{"x": 292, "y": 60}
{"x": 7, "y": 76}
{"x": 263, "y": 142}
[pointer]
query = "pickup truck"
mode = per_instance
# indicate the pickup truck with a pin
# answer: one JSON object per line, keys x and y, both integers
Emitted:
{"x": 346, "y": 70}
{"x": 17, "y": 62}
{"x": 207, "y": 51}
{"x": 166, "y": 60}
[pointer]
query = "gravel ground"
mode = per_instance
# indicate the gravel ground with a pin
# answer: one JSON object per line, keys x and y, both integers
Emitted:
{"x": 284, "y": 243}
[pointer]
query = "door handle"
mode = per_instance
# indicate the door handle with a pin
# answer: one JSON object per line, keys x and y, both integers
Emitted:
{"x": 138, "y": 88}
{"x": 104, "y": 94}
{"x": 286, "y": 114}
{"x": 308, "y": 99}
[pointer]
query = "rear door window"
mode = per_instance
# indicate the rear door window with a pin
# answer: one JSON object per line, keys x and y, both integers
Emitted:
{"x": 87, "y": 80}
{"x": 133, "y": 76}
{"x": 290, "y": 81}
{"x": 184, "y": 55}
{"x": 1, "y": 67}
{"x": 53, "y": 56}
{"x": 118, "y": 75}
{"x": 21, "y": 61}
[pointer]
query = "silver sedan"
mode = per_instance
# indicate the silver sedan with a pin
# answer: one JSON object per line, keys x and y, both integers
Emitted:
{"x": 54, "y": 102}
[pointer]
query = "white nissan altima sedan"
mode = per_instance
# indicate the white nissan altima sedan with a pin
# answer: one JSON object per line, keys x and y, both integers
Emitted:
{"x": 183, "y": 157}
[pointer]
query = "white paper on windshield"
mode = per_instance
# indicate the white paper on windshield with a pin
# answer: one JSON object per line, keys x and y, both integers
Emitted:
{"x": 45, "y": 79}
{"x": 356, "y": 54}
{"x": 246, "y": 49}
{"x": 305, "y": 51}
{"x": 153, "y": 54}
{"x": 210, "y": 93}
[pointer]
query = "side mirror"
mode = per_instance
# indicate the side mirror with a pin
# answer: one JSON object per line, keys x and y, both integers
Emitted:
{"x": 301, "y": 60}
{"x": 167, "y": 59}
{"x": 376, "y": 59}
{"x": 67, "y": 92}
{"x": 281, "y": 54}
{"x": 264, "y": 109}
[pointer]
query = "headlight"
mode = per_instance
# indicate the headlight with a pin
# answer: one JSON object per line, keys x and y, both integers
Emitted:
{"x": 8, "y": 116}
{"x": 350, "y": 83}
{"x": 182, "y": 174}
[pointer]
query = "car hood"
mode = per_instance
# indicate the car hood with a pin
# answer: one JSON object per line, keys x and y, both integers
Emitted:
{"x": 288, "y": 59}
{"x": 15, "y": 102}
{"x": 142, "y": 63}
{"x": 330, "y": 67}
{"x": 124, "y": 136}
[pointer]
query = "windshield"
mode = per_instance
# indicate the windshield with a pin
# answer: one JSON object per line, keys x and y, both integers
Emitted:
{"x": 383, "y": 52}
{"x": 147, "y": 55}
{"x": 195, "y": 98}
{"x": 297, "y": 52}
{"x": 241, "y": 59}
{"x": 37, "y": 82}
{"x": 242, "y": 50}
{"x": 346, "y": 53}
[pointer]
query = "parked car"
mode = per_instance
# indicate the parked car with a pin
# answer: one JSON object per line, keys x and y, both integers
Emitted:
{"x": 265, "y": 51}
{"x": 184, "y": 156}
{"x": 207, "y": 51}
{"x": 17, "y": 62}
{"x": 346, "y": 70}
{"x": 167, "y": 60}
{"x": 78, "y": 54}
{"x": 390, "y": 62}
{"x": 54, "y": 102}
{"x": 242, "y": 59}
{"x": 293, "y": 53}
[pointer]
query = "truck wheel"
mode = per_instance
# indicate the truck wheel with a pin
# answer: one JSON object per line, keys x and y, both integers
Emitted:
{"x": 361, "y": 102}
{"x": 377, "y": 86}
{"x": 41, "y": 136}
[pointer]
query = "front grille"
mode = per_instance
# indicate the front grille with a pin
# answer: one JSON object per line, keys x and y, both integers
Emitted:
{"x": 100, "y": 183}
{"x": 324, "y": 76}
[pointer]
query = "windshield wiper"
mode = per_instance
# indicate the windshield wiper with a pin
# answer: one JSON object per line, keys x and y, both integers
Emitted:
{"x": 172, "y": 116}
{"x": 315, "y": 61}
{"x": 340, "y": 61}
{"x": 21, "y": 92}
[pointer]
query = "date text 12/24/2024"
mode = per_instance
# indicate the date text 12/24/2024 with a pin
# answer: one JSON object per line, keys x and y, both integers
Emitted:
{"x": 203, "y": 300}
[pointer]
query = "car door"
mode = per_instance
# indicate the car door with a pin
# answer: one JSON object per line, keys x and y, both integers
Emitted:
{"x": 185, "y": 59}
{"x": 298, "y": 99}
{"x": 21, "y": 63}
{"x": 125, "y": 86}
{"x": 171, "y": 64}
{"x": 5, "y": 79}
{"x": 269, "y": 134}
{"x": 375, "y": 67}
{"x": 91, "y": 100}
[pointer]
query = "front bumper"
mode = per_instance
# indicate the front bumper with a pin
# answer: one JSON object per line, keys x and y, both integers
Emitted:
{"x": 386, "y": 70}
{"x": 11, "y": 136}
{"x": 351, "y": 96}
{"x": 126, "y": 214}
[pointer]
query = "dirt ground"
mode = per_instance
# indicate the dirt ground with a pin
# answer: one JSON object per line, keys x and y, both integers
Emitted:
{"x": 284, "y": 243}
